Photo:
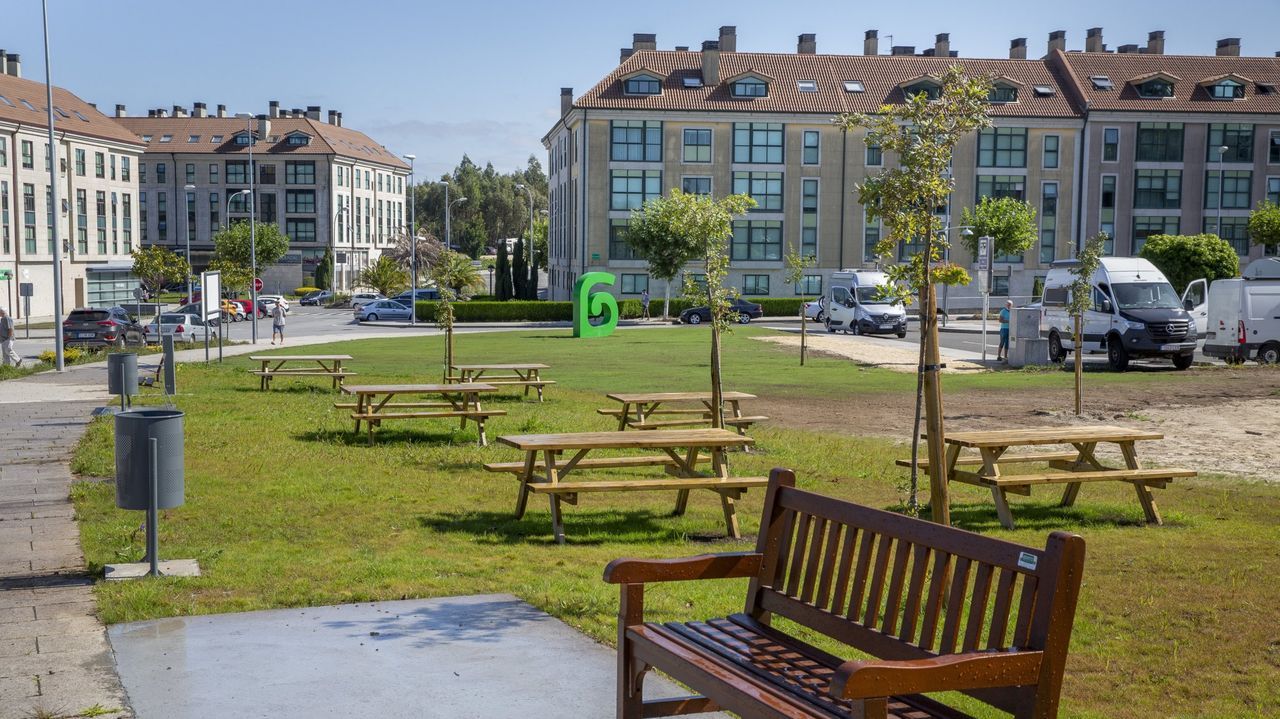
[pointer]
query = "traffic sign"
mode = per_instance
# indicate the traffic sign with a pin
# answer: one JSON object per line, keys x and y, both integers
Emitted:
{"x": 257, "y": 284}
{"x": 6, "y": 274}
{"x": 26, "y": 289}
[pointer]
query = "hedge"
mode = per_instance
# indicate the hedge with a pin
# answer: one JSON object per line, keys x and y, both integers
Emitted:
{"x": 542, "y": 311}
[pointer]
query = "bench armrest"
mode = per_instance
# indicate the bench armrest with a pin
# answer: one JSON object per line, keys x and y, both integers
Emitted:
{"x": 730, "y": 565}
{"x": 856, "y": 679}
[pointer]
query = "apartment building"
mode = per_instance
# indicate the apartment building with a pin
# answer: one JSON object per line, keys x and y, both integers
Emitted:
{"x": 327, "y": 186}
{"x": 97, "y": 191}
{"x": 721, "y": 121}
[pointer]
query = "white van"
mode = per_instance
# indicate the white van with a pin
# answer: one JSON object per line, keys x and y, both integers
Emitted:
{"x": 1243, "y": 315}
{"x": 853, "y": 305}
{"x": 1134, "y": 312}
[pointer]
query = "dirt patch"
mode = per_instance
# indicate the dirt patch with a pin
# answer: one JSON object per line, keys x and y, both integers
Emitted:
{"x": 873, "y": 354}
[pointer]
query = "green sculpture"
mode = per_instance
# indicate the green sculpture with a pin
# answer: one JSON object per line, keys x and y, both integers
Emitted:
{"x": 588, "y": 304}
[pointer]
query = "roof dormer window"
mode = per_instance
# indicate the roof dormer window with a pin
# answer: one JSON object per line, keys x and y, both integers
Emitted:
{"x": 931, "y": 91}
{"x": 243, "y": 139}
{"x": 298, "y": 139}
{"x": 749, "y": 87}
{"x": 1155, "y": 88}
{"x": 1226, "y": 90}
{"x": 642, "y": 85}
{"x": 1001, "y": 94}
{"x": 166, "y": 138}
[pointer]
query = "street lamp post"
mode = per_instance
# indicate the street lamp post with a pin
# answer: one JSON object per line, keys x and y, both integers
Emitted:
{"x": 533, "y": 270}
{"x": 186, "y": 190}
{"x": 53, "y": 203}
{"x": 413, "y": 249}
{"x": 447, "y": 208}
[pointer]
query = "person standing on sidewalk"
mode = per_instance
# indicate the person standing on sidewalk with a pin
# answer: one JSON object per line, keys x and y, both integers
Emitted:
{"x": 7, "y": 354}
{"x": 1002, "y": 353}
{"x": 644, "y": 304}
{"x": 277, "y": 323}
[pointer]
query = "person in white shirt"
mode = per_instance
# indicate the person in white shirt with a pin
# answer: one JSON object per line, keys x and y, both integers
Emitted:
{"x": 7, "y": 354}
{"x": 277, "y": 323}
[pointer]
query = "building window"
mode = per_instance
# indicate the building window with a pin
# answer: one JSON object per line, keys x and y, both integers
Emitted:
{"x": 870, "y": 237}
{"x": 642, "y": 85}
{"x": 756, "y": 240}
{"x": 755, "y": 284}
{"x": 267, "y": 175}
{"x": 1144, "y": 227}
{"x": 1273, "y": 154}
{"x": 1236, "y": 187}
{"x": 191, "y": 173}
{"x": 99, "y": 165}
{"x": 237, "y": 172}
{"x": 1234, "y": 230}
{"x": 82, "y": 222}
{"x": 80, "y": 168}
{"x": 1157, "y": 189}
{"x": 1159, "y": 142}
{"x": 124, "y": 169}
{"x": 214, "y": 208}
{"x": 142, "y": 215}
{"x": 635, "y": 141}
{"x": 4, "y": 152}
{"x": 1051, "y": 151}
{"x": 629, "y": 189}
{"x": 213, "y": 173}
{"x": 697, "y": 145}
{"x": 127, "y": 205}
{"x": 1048, "y": 221}
{"x": 298, "y": 139}
{"x": 1111, "y": 144}
{"x": 1273, "y": 190}
{"x": 810, "y": 147}
{"x": 634, "y": 284}
{"x": 4, "y": 217}
{"x": 809, "y": 285}
{"x": 100, "y": 205}
{"x": 300, "y": 201}
{"x": 298, "y": 173}
{"x": 243, "y": 139}
{"x": 142, "y": 173}
{"x": 929, "y": 90}
{"x": 28, "y": 156}
{"x": 301, "y": 230}
{"x": 161, "y": 172}
{"x": 696, "y": 185}
{"x": 1002, "y": 93}
{"x": 874, "y": 158}
{"x": 29, "y": 217}
{"x": 111, "y": 161}
{"x": 757, "y": 142}
{"x": 162, "y": 216}
{"x": 267, "y": 206}
{"x": 809, "y": 218}
{"x": 1107, "y": 214}
{"x": 1002, "y": 147}
{"x": 763, "y": 187}
{"x": 750, "y": 87}
{"x": 1000, "y": 286}
{"x": 1237, "y": 138}
{"x": 237, "y": 202}
{"x": 1155, "y": 89}
{"x": 191, "y": 215}
{"x": 619, "y": 248}
{"x": 1226, "y": 90}
{"x": 997, "y": 186}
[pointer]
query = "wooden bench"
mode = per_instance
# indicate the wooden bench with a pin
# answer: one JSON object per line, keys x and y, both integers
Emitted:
{"x": 273, "y": 366}
{"x": 940, "y": 609}
{"x": 518, "y": 374}
{"x": 462, "y": 401}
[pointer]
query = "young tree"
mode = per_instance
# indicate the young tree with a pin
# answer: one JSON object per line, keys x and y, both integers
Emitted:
{"x": 1010, "y": 222}
{"x": 519, "y": 272}
{"x": 157, "y": 266}
{"x": 1183, "y": 258}
{"x": 503, "y": 274}
{"x": 666, "y": 255}
{"x": 428, "y": 248}
{"x": 1087, "y": 261}
{"x": 699, "y": 226}
{"x": 923, "y": 134}
{"x": 324, "y": 270}
{"x": 1264, "y": 225}
{"x": 384, "y": 275}
{"x": 455, "y": 277}
{"x": 269, "y": 244}
{"x": 796, "y": 265}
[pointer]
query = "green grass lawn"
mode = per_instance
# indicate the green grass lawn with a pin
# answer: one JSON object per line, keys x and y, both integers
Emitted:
{"x": 286, "y": 507}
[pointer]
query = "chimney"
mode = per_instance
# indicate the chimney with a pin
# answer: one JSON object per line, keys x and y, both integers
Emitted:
{"x": 927, "y": 52}
{"x": 151, "y": 113}
{"x": 871, "y": 43}
{"x": 14, "y": 66}
{"x": 710, "y": 63}
{"x": 625, "y": 53}
{"x": 1155, "y": 42}
{"x": 273, "y": 108}
{"x": 807, "y": 44}
{"x": 1227, "y": 46}
{"x": 161, "y": 112}
{"x": 902, "y": 50}
{"x": 942, "y": 44}
{"x": 1128, "y": 48}
{"x": 1057, "y": 41}
{"x": 333, "y": 117}
{"x": 1093, "y": 40}
{"x": 179, "y": 111}
{"x": 264, "y": 128}
{"x": 4, "y": 63}
{"x": 339, "y": 119}
{"x": 682, "y": 48}
{"x": 199, "y": 109}
{"x": 566, "y": 100}
{"x": 644, "y": 41}
{"x": 295, "y": 112}
{"x": 728, "y": 38}
{"x": 1018, "y": 48}
{"x": 120, "y": 111}
{"x": 313, "y": 112}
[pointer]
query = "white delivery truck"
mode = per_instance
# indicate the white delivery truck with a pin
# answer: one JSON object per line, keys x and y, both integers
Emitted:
{"x": 1243, "y": 315}
{"x": 854, "y": 305}
{"x": 1133, "y": 312}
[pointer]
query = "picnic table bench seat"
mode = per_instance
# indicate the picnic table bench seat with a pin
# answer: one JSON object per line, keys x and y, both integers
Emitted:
{"x": 923, "y": 463}
{"x": 741, "y": 423}
{"x": 938, "y": 609}
{"x": 598, "y": 463}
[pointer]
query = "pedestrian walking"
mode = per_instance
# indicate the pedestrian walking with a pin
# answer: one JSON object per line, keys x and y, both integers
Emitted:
{"x": 277, "y": 323}
{"x": 644, "y": 304}
{"x": 6, "y": 340}
{"x": 1002, "y": 353}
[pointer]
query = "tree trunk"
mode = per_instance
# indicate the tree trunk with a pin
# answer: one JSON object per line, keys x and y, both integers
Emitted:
{"x": 1079, "y": 329}
{"x": 803, "y": 333}
{"x": 939, "y": 500}
{"x": 913, "y": 499}
{"x": 448, "y": 350}
{"x": 666, "y": 299}
{"x": 717, "y": 392}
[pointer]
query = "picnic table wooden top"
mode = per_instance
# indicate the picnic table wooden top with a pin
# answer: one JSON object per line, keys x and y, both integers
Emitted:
{"x": 636, "y": 397}
{"x": 510, "y": 365}
{"x": 423, "y": 388}
{"x": 300, "y": 357}
{"x": 627, "y": 440}
{"x": 1048, "y": 435}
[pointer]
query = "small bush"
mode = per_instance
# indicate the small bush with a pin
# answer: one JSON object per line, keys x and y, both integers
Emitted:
{"x": 511, "y": 311}
{"x": 70, "y": 355}
{"x": 300, "y": 291}
{"x": 778, "y": 306}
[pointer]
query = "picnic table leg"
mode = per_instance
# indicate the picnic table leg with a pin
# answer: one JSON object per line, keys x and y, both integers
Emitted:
{"x": 721, "y": 470}
{"x": 682, "y": 496}
{"x": 526, "y": 477}
{"x": 1085, "y": 460}
{"x": 990, "y": 468}
{"x": 1145, "y": 496}
{"x": 359, "y": 411}
{"x": 626, "y": 415}
{"x": 553, "y": 476}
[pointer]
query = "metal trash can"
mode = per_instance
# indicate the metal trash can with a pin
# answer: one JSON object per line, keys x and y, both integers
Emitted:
{"x": 134, "y": 430}
{"x": 122, "y": 367}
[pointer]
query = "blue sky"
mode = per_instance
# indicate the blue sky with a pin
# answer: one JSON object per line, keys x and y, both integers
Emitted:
{"x": 440, "y": 79}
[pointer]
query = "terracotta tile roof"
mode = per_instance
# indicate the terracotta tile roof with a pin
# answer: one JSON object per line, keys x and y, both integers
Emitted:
{"x": 77, "y": 116}
{"x": 879, "y": 74}
{"x": 1189, "y": 94}
{"x": 326, "y": 139}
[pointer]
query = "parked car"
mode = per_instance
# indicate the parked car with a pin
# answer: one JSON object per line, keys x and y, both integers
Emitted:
{"x": 98, "y": 327}
{"x": 270, "y": 301}
{"x": 1243, "y": 314}
{"x": 816, "y": 310}
{"x": 382, "y": 310}
{"x": 424, "y": 294}
{"x": 232, "y": 311}
{"x": 246, "y": 307}
{"x": 745, "y": 311}
{"x": 363, "y": 298}
{"x": 184, "y": 328}
{"x": 316, "y": 298}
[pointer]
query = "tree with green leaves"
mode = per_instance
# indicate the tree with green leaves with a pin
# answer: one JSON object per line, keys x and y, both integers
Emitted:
{"x": 699, "y": 226}
{"x": 519, "y": 272}
{"x": 384, "y": 275}
{"x": 269, "y": 244}
{"x": 455, "y": 278}
{"x": 324, "y": 270}
{"x": 1184, "y": 258}
{"x": 665, "y": 254}
{"x": 1008, "y": 221}
{"x": 157, "y": 266}
{"x": 1264, "y": 225}
{"x": 1087, "y": 261}
{"x": 502, "y": 274}
{"x": 796, "y": 264}
{"x": 234, "y": 277}
{"x": 427, "y": 246}
{"x": 923, "y": 134}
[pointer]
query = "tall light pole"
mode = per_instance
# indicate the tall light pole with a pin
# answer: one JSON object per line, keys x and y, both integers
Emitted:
{"x": 447, "y": 208}
{"x": 533, "y": 269}
{"x": 413, "y": 250}
{"x": 253, "y": 222}
{"x": 186, "y": 221}
{"x": 53, "y": 202}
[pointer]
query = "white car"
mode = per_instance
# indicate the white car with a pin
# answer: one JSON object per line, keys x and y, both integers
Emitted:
{"x": 815, "y": 311}
{"x": 184, "y": 328}
{"x": 361, "y": 299}
{"x": 275, "y": 299}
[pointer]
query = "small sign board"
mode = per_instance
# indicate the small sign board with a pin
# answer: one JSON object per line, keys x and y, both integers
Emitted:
{"x": 342, "y": 258}
{"x": 6, "y": 274}
{"x": 26, "y": 289}
{"x": 257, "y": 284}
{"x": 211, "y": 295}
{"x": 984, "y": 253}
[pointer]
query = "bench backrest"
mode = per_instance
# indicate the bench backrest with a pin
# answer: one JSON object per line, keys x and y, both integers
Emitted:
{"x": 902, "y": 588}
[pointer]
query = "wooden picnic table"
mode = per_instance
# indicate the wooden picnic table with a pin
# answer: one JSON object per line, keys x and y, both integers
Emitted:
{"x": 645, "y": 410}
{"x": 1073, "y": 468}
{"x": 521, "y": 374}
{"x": 328, "y": 366}
{"x": 681, "y": 450}
{"x": 462, "y": 401}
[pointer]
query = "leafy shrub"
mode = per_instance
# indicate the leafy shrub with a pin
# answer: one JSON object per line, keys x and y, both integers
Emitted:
{"x": 1183, "y": 258}
{"x": 511, "y": 311}
{"x": 300, "y": 291}
{"x": 778, "y": 306}
{"x": 70, "y": 355}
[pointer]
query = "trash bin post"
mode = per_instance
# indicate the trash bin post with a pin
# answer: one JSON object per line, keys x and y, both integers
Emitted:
{"x": 153, "y": 500}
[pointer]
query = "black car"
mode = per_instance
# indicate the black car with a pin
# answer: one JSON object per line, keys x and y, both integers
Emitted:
{"x": 99, "y": 327}
{"x": 746, "y": 311}
{"x": 425, "y": 294}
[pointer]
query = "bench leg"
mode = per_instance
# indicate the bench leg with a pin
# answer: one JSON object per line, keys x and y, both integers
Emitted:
{"x": 1148, "y": 502}
{"x": 484, "y": 440}
{"x": 1002, "y": 507}
{"x": 557, "y": 523}
{"x": 730, "y": 516}
{"x": 1070, "y": 494}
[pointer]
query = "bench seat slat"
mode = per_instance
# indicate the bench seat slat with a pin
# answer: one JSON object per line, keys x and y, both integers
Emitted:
{"x": 1122, "y": 475}
{"x": 600, "y": 463}
{"x": 645, "y": 485}
{"x": 413, "y": 415}
{"x": 923, "y": 464}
